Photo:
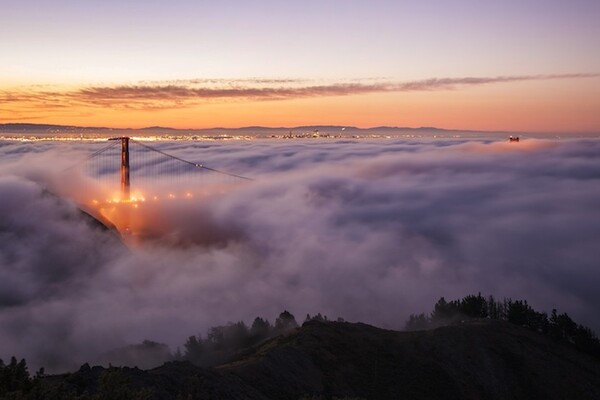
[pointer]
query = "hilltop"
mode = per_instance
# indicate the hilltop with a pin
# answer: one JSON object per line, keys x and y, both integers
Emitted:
{"x": 257, "y": 131}
{"x": 476, "y": 359}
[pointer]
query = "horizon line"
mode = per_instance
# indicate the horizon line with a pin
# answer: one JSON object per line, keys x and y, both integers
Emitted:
{"x": 341, "y": 127}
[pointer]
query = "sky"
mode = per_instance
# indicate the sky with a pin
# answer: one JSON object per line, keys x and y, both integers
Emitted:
{"x": 370, "y": 231}
{"x": 512, "y": 65}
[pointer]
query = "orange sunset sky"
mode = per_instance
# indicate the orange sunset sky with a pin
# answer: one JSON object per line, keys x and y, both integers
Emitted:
{"x": 513, "y": 65}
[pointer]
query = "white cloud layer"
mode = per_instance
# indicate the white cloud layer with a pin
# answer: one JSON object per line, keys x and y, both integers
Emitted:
{"x": 367, "y": 230}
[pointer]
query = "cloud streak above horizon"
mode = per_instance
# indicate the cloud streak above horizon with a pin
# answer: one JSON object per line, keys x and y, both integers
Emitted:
{"x": 186, "y": 93}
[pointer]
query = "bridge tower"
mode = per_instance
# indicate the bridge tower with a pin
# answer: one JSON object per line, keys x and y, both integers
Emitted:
{"x": 125, "y": 185}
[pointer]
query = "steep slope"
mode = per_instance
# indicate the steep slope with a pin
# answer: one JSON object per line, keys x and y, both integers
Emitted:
{"x": 479, "y": 359}
{"x": 474, "y": 360}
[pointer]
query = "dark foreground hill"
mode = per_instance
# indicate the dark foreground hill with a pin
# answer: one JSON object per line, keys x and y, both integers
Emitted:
{"x": 480, "y": 359}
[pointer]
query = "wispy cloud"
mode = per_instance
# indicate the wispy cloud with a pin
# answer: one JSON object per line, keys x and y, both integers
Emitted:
{"x": 225, "y": 81}
{"x": 188, "y": 92}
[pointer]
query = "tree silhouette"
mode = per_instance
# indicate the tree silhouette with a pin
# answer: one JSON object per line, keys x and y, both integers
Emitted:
{"x": 260, "y": 329}
{"x": 417, "y": 322}
{"x": 225, "y": 341}
{"x": 14, "y": 377}
{"x": 474, "y": 306}
{"x": 285, "y": 322}
{"x": 518, "y": 312}
{"x": 193, "y": 349}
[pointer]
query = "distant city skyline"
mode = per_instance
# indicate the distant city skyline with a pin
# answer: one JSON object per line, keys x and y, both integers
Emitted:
{"x": 530, "y": 66}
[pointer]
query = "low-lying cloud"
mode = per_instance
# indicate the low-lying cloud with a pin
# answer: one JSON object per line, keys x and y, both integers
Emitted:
{"x": 366, "y": 230}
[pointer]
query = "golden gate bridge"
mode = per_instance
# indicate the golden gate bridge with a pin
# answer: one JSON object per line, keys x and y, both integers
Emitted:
{"x": 153, "y": 165}
{"x": 128, "y": 176}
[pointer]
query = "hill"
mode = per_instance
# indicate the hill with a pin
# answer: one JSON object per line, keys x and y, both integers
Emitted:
{"x": 258, "y": 131}
{"x": 475, "y": 360}
{"x": 478, "y": 359}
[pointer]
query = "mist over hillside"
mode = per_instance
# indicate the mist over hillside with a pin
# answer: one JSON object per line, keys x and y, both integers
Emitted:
{"x": 477, "y": 359}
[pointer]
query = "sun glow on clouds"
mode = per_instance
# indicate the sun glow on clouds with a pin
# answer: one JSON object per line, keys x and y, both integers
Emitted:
{"x": 560, "y": 102}
{"x": 142, "y": 219}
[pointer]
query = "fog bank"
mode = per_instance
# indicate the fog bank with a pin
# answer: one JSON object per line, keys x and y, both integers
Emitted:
{"x": 370, "y": 231}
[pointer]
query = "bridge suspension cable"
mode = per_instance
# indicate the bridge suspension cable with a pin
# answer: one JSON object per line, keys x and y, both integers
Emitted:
{"x": 109, "y": 163}
{"x": 197, "y": 165}
{"x": 91, "y": 156}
